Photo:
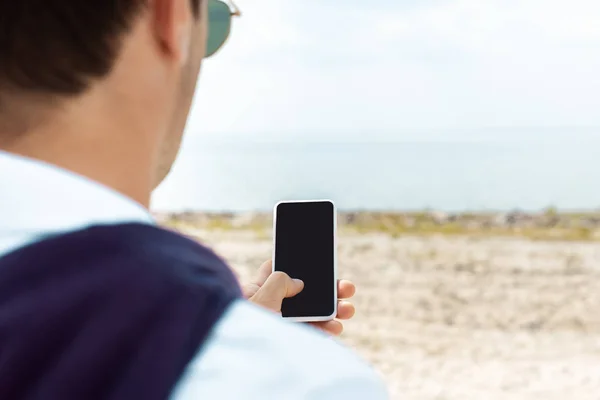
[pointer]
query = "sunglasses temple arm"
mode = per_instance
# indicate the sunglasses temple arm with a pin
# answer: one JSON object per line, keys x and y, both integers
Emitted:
{"x": 235, "y": 10}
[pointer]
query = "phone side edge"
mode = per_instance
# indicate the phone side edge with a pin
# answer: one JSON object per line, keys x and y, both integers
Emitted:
{"x": 274, "y": 234}
{"x": 335, "y": 260}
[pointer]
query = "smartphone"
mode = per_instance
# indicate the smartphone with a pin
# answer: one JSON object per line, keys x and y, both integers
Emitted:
{"x": 305, "y": 248}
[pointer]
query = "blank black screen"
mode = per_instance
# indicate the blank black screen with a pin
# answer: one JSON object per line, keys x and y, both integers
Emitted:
{"x": 305, "y": 249}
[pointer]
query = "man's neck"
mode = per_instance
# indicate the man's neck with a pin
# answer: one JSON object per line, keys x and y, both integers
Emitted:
{"x": 116, "y": 166}
{"x": 103, "y": 135}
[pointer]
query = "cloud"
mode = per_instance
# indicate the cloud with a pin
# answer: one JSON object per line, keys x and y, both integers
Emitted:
{"x": 301, "y": 68}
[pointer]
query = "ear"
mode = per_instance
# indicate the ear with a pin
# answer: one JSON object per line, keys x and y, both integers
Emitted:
{"x": 173, "y": 23}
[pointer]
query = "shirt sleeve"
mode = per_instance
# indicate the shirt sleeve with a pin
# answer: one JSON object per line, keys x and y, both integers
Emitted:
{"x": 252, "y": 354}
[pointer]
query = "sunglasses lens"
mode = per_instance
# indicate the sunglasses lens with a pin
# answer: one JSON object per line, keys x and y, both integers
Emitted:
{"x": 219, "y": 25}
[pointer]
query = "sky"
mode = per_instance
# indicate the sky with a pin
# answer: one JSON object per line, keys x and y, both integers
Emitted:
{"x": 304, "y": 71}
{"x": 394, "y": 70}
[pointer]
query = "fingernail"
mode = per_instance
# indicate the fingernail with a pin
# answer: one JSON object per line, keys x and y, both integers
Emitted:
{"x": 298, "y": 281}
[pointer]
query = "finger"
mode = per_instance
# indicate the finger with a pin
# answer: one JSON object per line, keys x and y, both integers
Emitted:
{"x": 346, "y": 310}
{"x": 249, "y": 290}
{"x": 277, "y": 287}
{"x": 264, "y": 271}
{"x": 346, "y": 289}
{"x": 281, "y": 285}
{"x": 334, "y": 328}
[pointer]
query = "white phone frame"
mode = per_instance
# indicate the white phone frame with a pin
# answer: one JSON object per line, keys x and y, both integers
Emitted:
{"x": 335, "y": 274}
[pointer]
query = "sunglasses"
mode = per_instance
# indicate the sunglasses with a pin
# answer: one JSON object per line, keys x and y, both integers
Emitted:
{"x": 220, "y": 14}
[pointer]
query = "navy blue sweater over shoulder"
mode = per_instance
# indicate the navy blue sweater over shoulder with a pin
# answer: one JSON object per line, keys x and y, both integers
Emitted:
{"x": 110, "y": 312}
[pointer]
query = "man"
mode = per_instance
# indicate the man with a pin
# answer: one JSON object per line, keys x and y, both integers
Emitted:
{"x": 96, "y": 302}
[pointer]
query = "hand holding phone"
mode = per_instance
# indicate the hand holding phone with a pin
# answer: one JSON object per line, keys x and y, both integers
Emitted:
{"x": 305, "y": 249}
{"x": 266, "y": 293}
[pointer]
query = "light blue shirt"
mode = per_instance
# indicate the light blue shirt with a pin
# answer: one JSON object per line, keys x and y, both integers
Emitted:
{"x": 250, "y": 354}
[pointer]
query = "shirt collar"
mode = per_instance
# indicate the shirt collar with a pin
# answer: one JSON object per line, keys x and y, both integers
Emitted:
{"x": 39, "y": 198}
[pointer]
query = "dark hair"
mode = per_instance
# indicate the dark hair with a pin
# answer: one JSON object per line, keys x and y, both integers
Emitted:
{"x": 60, "y": 46}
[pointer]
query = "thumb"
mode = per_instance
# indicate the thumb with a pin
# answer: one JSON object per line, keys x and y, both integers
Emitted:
{"x": 277, "y": 287}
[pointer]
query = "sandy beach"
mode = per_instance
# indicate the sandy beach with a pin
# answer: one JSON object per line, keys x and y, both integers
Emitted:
{"x": 457, "y": 317}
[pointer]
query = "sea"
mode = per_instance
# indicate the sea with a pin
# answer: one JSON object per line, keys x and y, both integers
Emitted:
{"x": 453, "y": 176}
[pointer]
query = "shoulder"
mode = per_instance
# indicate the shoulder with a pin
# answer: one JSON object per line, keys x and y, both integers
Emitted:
{"x": 149, "y": 253}
{"x": 131, "y": 261}
{"x": 139, "y": 300}
{"x": 253, "y": 354}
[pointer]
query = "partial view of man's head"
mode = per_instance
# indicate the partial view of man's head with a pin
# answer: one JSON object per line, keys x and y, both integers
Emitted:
{"x": 87, "y": 83}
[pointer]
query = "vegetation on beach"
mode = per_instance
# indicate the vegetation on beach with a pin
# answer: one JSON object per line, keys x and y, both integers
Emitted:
{"x": 547, "y": 225}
